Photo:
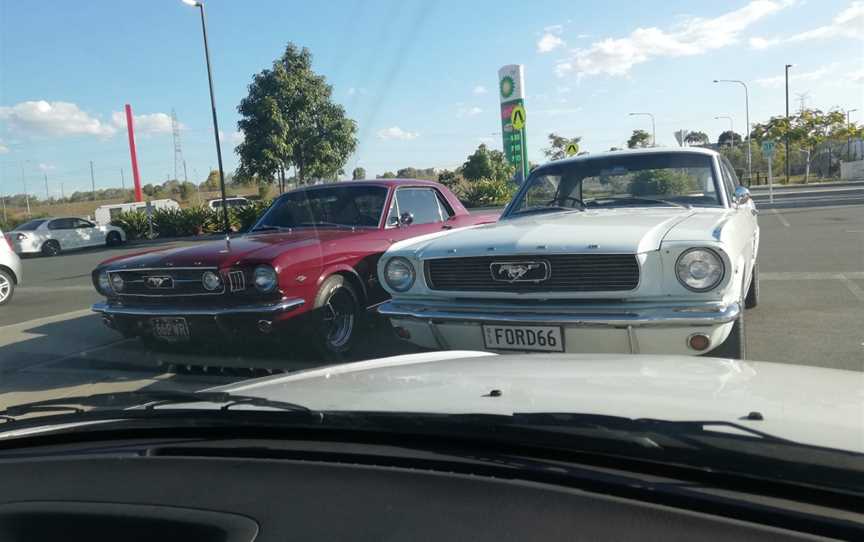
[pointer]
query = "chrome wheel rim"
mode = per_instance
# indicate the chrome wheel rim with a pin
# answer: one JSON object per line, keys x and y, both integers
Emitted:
{"x": 338, "y": 316}
{"x": 5, "y": 288}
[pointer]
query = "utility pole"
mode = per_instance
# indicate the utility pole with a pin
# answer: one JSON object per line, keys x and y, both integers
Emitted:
{"x": 787, "y": 122}
{"x": 849, "y": 137}
{"x": 122, "y": 179}
{"x": 747, "y": 116}
{"x": 93, "y": 180}
{"x": 62, "y": 192}
{"x": 26, "y": 194}
{"x": 47, "y": 195}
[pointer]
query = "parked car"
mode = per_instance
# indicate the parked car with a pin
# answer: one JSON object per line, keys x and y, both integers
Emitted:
{"x": 651, "y": 251}
{"x": 310, "y": 259}
{"x": 50, "y": 236}
{"x": 104, "y": 214}
{"x": 215, "y": 204}
{"x": 10, "y": 270}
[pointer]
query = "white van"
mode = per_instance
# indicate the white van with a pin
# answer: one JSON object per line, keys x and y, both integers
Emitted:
{"x": 231, "y": 202}
{"x": 106, "y": 213}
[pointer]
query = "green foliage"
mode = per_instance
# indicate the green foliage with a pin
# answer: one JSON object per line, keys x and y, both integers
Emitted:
{"x": 487, "y": 164}
{"x": 187, "y": 190}
{"x": 246, "y": 217}
{"x": 263, "y": 191}
{"x": 212, "y": 182}
{"x": 358, "y": 173}
{"x": 696, "y": 138}
{"x": 386, "y": 175}
{"x": 640, "y": 138}
{"x": 288, "y": 119}
{"x": 415, "y": 173}
{"x": 660, "y": 182}
{"x": 488, "y": 192}
{"x": 728, "y": 138}
{"x": 134, "y": 223}
{"x": 558, "y": 146}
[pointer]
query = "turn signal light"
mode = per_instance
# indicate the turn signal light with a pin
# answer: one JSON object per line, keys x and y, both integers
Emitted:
{"x": 699, "y": 342}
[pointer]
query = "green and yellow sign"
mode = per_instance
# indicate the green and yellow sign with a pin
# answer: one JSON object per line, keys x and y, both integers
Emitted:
{"x": 511, "y": 82}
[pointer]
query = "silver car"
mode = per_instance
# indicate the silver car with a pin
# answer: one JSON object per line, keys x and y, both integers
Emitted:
{"x": 10, "y": 270}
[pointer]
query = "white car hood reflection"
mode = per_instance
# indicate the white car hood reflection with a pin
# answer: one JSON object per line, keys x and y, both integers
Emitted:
{"x": 812, "y": 405}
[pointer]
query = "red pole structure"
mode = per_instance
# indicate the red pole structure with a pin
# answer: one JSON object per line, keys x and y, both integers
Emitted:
{"x": 131, "y": 129}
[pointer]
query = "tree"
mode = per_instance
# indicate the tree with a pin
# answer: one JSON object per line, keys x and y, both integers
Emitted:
{"x": 640, "y": 138}
{"x": 386, "y": 175}
{"x": 212, "y": 182}
{"x": 681, "y": 136}
{"x": 288, "y": 119}
{"x": 358, "y": 173}
{"x": 486, "y": 164}
{"x": 696, "y": 138}
{"x": 148, "y": 190}
{"x": 558, "y": 146}
{"x": 186, "y": 190}
{"x": 729, "y": 138}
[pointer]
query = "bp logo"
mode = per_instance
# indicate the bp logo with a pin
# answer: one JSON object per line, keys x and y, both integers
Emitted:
{"x": 507, "y": 86}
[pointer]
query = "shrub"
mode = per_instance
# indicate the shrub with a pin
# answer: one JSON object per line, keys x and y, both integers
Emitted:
{"x": 245, "y": 217}
{"x": 488, "y": 192}
{"x": 658, "y": 182}
{"x": 134, "y": 223}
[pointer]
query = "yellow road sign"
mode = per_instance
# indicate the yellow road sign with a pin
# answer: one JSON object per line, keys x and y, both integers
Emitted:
{"x": 517, "y": 117}
{"x": 572, "y": 149}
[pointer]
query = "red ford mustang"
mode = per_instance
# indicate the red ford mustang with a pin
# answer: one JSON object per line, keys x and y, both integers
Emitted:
{"x": 313, "y": 254}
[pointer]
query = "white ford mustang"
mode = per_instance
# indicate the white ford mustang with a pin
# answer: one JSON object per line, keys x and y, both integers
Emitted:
{"x": 50, "y": 236}
{"x": 644, "y": 251}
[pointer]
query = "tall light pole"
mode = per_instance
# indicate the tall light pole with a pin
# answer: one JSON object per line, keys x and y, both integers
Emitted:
{"x": 787, "y": 122}
{"x": 731, "y": 127}
{"x": 24, "y": 182}
{"x": 849, "y": 137}
{"x": 747, "y": 115}
{"x": 200, "y": 6}
{"x": 653, "y": 131}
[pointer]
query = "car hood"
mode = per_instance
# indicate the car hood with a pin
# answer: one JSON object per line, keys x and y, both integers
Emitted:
{"x": 262, "y": 246}
{"x": 807, "y": 404}
{"x": 630, "y": 231}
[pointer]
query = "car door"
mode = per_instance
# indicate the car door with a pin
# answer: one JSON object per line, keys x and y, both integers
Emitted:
{"x": 744, "y": 220}
{"x": 416, "y": 211}
{"x": 89, "y": 233}
{"x": 63, "y": 231}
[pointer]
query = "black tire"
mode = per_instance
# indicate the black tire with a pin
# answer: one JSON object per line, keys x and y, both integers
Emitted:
{"x": 7, "y": 287}
{"x": 50, "y": 248}
{"x": 113, "y": 239}
{"x": 735, "y": 345}
{"x": 752, "y": 299}
{"x": 337, "y": 318}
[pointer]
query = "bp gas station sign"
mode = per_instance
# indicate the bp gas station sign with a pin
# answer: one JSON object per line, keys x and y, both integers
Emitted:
{"x": 511, "y": 85}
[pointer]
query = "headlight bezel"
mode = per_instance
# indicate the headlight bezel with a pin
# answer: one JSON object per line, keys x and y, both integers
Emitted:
{"x": 260, "y": 270}
{"x": 721, "y": 262}
{"x": 104, "y": 287}
{"x": 410, "y": 267}
{"x": 117, "y": 282}
{"x": 205, "y": 275}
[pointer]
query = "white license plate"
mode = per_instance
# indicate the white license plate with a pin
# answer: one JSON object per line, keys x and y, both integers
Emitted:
{"x": 172, "y": 330}
{"x": 524, "y": 338}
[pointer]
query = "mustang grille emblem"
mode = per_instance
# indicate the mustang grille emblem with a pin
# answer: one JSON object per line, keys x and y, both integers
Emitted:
{"x": 535, "y": 271}
{"x": 159, "y": 282}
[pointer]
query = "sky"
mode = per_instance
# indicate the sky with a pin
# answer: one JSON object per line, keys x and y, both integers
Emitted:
{"x": 419, "y": 77}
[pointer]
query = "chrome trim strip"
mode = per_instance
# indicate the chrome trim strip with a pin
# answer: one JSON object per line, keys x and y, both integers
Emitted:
{"x": 630, "y": 315}
{"x": 168, "y": 292}
{"x": 114, "y": 309}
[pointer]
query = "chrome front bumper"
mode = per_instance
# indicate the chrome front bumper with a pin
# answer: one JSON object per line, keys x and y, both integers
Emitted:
{"x": 629, "y": 315}
{"x": 269, "y": 309}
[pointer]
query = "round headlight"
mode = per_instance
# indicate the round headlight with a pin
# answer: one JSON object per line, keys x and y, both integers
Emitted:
{"x": 117, "y": 283}
{"x": 211, "y": 281}
{"x": 104, "y": 283}
{"x": 265, "y": 278}
{"x": 399, "y": 274}
{"x": 699, "y": 269}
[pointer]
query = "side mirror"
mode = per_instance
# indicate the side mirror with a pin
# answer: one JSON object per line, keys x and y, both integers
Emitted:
{"x": 406, "y": 219}
{"x": 742, "y": 195}
{"x": 393, "y": 221}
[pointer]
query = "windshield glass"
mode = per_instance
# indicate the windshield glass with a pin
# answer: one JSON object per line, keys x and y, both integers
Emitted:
{"x": 340, "y": 205}
{"x": 635, "y": 180}
{"x": 30, "y": 225}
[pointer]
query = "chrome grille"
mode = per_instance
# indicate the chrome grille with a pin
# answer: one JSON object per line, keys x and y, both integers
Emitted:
{"x": 566, "y": 273}
{"x": 236, "y": 281}
{"x": 184, "y": 281}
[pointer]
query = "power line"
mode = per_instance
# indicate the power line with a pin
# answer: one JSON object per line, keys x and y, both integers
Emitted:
{"x": 178, "y": 149}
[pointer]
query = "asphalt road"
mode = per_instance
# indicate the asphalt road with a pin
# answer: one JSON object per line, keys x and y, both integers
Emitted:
{"x": 811, "y": 312}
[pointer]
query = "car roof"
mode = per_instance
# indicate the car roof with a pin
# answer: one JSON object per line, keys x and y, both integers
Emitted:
{"x": 634, "y": 152}
{"x": 372, "y": 182}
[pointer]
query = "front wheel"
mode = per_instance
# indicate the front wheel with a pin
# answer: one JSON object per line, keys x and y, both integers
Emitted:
{"x": 339, "y": 311}
{"x": 734, "y": 346}
{"x": 7, "y": 287}
{"x": 50, "y": 248}
{"x": 113, "y": 239}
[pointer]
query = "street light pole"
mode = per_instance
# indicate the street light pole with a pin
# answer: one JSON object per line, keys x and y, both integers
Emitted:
{"x": 26, "y": 194}
{"x": 747, "y": 115}
{"x": 200, "y": 6}
{"x": 731, "y": 128}
{"x": 787, "y": 122}
{"x": 849, "y": 137}
{"x": 653, "y": 131}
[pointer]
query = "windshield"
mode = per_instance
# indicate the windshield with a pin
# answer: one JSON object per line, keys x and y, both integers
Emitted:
{"x": 614, "y": 181}
{"x": 641, "y": 210}
{"x": 338, "y": 205}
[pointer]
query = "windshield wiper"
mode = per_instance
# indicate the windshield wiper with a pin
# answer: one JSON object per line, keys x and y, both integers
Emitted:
{"x": 325, "y": 224}
{"x": 147, "y": 400}
{"x": 649, "y": 200}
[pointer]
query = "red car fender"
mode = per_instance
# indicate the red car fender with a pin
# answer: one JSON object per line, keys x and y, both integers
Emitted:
{"x": 343, "y": 269}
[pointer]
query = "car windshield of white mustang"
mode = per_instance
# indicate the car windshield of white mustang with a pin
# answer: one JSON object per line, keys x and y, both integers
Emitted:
{"x": 612, "y": 235}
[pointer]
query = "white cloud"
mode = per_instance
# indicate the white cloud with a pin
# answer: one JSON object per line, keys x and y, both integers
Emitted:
{"x": 486, "y": 139}
{"x": 46, "y": 167}
{"x": 849, "y": 23}
{"x": 778, "y": 81}
{"x": 3, "y": 148}
{"x": 553, "y": 29}
{"x": 582, "y": 36}
{"x": 357, "y": 91}
{"x": 559, "y": 111}
{"x": 692, "y": 36}
{"x": 549, "y": 42}
{"x": 43, "y": 118}
{"x": 562, "y": 89}
{"x": 151, "y": 123}
{"x": 856, "y": 77}
{"x": 479, "y": 89}
{"x": 468, "y": 112}
{"x": 234, "y": 138}
{"x": 395, "y": 132}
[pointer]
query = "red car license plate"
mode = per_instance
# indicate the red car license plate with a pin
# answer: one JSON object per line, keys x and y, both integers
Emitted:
{"x": 172, "y": 330}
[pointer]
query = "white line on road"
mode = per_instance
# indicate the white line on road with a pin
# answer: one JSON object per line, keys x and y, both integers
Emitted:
{"x": 47, "y": 320}
{"x": 792, "y": 275}
{"x": 855, "y": 289}
{"x": 52, "y": 289}
{"x": 781, "y": 218}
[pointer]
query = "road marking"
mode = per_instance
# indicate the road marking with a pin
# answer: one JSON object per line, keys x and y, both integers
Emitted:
{"x": 82, "y": 353}
{"x": 791, "y": 275}
{"x": 52, "y": 289}
{"x": 855, "y": 289}
{"x": 781, "y": 218}
{"x": 47, "y": 320}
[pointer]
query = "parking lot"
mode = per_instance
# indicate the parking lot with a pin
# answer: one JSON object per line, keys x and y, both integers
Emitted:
{"x": 811, "y": 312}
